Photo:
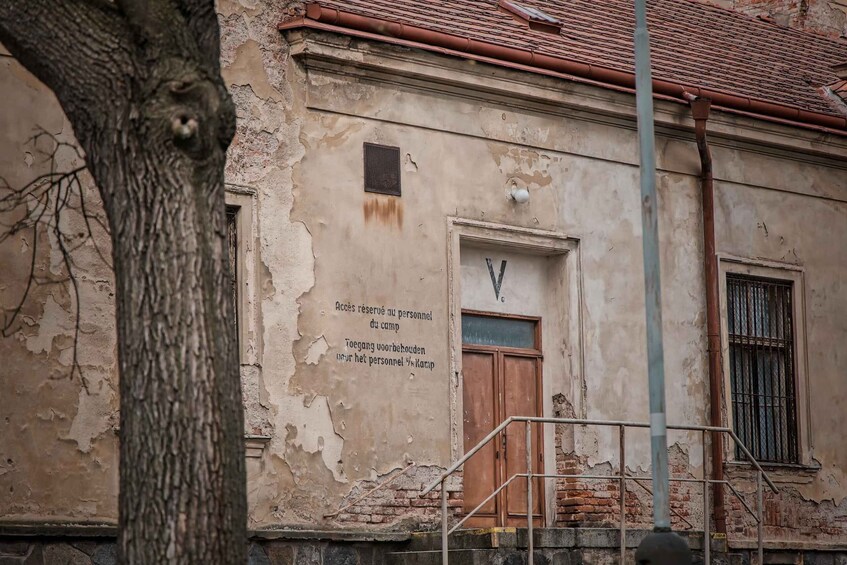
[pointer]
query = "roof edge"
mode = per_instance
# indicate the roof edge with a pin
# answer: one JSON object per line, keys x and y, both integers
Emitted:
{"x": 464, "y": 46}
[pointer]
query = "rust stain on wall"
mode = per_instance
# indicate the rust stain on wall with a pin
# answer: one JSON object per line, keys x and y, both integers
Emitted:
{"x": 387, "y": 211}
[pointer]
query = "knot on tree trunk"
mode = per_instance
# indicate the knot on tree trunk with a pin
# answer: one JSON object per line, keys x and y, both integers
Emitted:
{"x": 184, "y": 127}
{"x": 191, "y": 112}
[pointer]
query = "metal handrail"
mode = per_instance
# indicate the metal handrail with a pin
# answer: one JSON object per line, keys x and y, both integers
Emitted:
{"x": 608, "y": 423}
{"x": 622, "y": 478}
{"x": 484, "y": 502}
{"x": 636, "y": 480}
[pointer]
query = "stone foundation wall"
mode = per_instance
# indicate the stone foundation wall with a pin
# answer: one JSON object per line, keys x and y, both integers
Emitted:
{"x": 553, "y": 547}
{"x": 89, "y": 552}
{"x": 47, "y": 552}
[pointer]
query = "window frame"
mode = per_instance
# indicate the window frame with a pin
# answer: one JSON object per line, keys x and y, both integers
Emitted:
{"x": 782, "y": 272}
{"x": 247, "y": 311}
{"x": 535, "y": 320}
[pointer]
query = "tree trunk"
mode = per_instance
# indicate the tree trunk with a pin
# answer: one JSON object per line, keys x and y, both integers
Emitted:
{"x": 182, "y": 471}
{"x": 182, "y": 476}
{"x": 140, "y": 82}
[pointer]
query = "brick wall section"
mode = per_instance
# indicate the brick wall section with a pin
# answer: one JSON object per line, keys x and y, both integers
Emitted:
{"x": 579, "y": 503}
{"x": 400, "y": 502}
{"x": 583, "y": 503}
{"x": 788, "y": 516}
{"x": 596, "y": 503}
{"x": 588, "y": 503}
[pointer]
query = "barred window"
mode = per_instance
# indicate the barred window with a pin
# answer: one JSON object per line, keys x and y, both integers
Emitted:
{"x": 761, "y": 360}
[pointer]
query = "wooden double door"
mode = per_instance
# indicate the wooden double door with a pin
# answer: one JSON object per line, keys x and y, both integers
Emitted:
{"x": 501, "y": 368}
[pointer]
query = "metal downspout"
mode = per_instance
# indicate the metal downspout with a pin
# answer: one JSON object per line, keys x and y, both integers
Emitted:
{"x": 700, "y": 108}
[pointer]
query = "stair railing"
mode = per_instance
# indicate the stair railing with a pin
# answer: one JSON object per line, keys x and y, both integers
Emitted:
{"x": 621, "y": 477}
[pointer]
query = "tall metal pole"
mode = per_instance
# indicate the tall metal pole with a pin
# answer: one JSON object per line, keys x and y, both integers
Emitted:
{"x": 662, "y": 547}
{"x": 652, "y": 276}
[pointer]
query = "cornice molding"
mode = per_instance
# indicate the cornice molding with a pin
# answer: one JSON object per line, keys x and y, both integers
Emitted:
{"x": 374, "y": 62}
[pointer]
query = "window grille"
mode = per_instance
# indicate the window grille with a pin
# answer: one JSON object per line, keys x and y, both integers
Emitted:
{"x": 761, "y": 360}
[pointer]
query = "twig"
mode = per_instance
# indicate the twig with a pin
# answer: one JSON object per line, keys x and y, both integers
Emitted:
{"x": 44, "y": 199}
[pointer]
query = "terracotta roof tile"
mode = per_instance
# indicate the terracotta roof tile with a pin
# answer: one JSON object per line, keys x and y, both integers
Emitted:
{"x": 692, "y": 43}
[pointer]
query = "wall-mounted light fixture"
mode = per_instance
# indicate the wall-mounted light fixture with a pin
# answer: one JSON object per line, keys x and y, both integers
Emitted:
{"x": 519, "y": 195}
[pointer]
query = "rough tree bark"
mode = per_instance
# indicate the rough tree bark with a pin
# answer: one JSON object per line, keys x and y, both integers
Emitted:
{"x": 140, "y": 82}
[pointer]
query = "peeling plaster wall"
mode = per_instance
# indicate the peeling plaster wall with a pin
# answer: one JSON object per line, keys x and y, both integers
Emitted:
{"x": 466, "y": 171}
{"x": 325, "y": 258}
{"x": 58, "y": 444}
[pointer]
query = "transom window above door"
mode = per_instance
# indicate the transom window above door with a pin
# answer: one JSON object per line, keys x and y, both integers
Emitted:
{"x": 498, "y": 331}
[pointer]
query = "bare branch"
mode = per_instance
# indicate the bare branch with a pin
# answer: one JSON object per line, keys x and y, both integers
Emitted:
{"x": 12, "y": 315}
{"x": 44, "y": 201}
{"x": 78, "y": 48}
{"x": 87, "y": 218}
{"x": 76, "y": 369}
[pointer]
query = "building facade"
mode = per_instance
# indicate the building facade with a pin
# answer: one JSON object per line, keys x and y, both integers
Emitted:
{"x": 430, "y": 239}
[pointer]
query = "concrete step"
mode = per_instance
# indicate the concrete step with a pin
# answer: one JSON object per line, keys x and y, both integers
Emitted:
{"x": 553, "y": 546}
{"x": 481, "y": 557}
{"x": 543, "y": 538}
{"x": 506, "y": 556}
{"x": 593, "y": 556}
{"x": 488, "y": 538}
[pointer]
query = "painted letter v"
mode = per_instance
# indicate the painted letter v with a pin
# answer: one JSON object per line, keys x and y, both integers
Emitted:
{"x": 497, "y": 282}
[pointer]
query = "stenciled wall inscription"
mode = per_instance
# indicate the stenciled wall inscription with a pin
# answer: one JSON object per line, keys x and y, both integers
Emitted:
{"x": 374, "y": 346}
{"x": 496, "y": 282}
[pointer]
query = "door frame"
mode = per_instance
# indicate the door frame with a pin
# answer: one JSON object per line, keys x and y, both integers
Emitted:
{"x": 566, "y": 280}
{"x": 499, "y": 352}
